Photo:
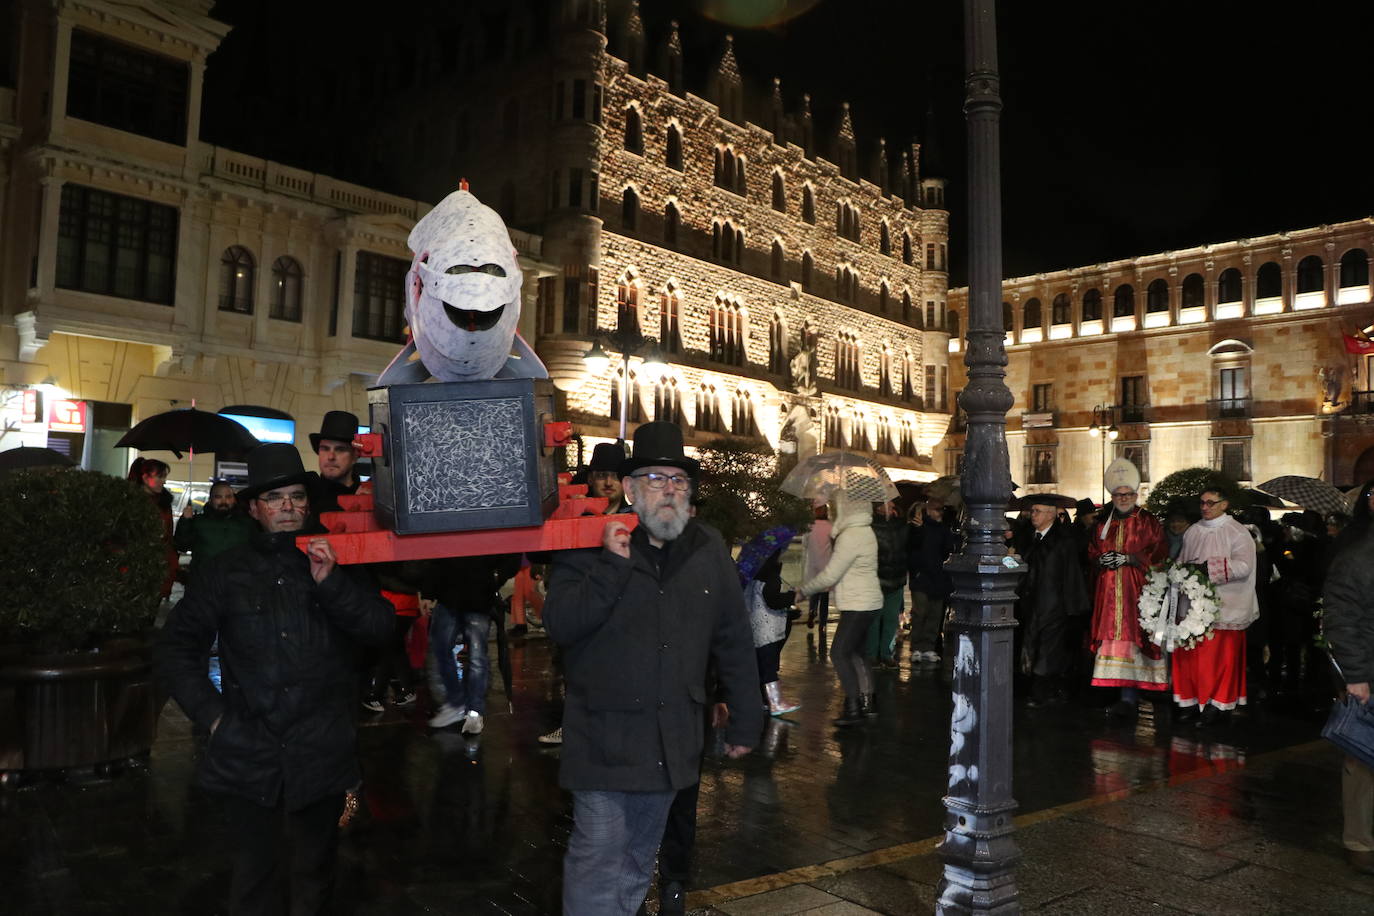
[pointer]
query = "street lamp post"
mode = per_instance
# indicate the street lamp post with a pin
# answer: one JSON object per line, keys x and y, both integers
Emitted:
{"x": 628, "y": 341}
{"x": 1104, "y": 428}
{"x": 978, "y": 851}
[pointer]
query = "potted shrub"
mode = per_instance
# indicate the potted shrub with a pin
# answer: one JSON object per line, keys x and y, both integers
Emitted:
{"x": 81, "y": 567}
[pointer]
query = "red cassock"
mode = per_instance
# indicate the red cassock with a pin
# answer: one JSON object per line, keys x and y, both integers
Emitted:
{"x": 1116, "y": 612}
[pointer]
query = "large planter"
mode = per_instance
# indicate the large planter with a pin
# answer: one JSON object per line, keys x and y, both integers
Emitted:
{"x": 78, "y": 710}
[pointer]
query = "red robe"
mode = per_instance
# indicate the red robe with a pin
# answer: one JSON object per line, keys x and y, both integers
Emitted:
{"x": 1116, "y": 599}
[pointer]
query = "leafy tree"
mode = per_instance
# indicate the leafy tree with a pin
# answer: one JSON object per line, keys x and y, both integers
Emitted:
{"x": 739, "y": 493}
{"x": 1179, "y": 492}
{"x": 83, "y": 558}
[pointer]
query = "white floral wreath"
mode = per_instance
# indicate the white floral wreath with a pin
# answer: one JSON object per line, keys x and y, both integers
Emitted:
{"x": 1159, "y": 605}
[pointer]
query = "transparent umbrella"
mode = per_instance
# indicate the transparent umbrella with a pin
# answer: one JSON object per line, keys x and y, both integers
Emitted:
{"x": 857, "y": 477}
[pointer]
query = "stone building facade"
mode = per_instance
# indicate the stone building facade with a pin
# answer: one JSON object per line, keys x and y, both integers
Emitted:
{"x": 1229, "y": 355}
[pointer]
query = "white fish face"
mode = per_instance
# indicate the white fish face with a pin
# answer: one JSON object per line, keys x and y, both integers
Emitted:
{"x": 463, "y": 290}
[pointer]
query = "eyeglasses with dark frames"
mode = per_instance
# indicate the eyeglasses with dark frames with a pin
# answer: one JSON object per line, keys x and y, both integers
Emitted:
{"x": 279, "y": 500}
{"x": 660, "y": 481}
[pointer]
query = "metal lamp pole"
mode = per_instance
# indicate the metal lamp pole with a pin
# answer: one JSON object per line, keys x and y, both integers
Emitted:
{"x": 978, "y": 851}
{"x": 1104, "y": 427}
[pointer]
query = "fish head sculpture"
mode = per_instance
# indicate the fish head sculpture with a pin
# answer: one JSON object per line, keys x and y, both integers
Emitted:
{"x": 463, "y": 290}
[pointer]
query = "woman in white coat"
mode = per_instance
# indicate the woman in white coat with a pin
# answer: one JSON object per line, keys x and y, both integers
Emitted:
{"x": 853, "y": 573}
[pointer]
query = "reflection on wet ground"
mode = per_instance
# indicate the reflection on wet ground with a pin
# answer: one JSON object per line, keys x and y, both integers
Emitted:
{"x": 455, "y": 825}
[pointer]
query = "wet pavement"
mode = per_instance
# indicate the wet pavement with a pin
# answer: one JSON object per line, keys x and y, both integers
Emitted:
{"x": 1141, "y": 816}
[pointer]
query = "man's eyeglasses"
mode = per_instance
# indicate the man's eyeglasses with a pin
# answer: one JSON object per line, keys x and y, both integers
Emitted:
{"x": 660, "y": 481}
{"x": 1209, "y": 503}
{"x": 279, "y": 500}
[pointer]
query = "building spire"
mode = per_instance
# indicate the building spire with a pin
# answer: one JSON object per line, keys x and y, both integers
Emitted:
{"x": 846, "y": 149}
{"x": 632, "y": 39}
{"x": 672, "y": 54}
{"x": 726, "y": 85}
{"x": 776, "y": 117}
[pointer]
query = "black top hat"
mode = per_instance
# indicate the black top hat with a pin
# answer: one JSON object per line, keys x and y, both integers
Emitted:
{"x": 275, "y": 464}
{"x": 607, "y": 456}
{"x": 339, "y": 425}
{"x": 659, "y": 443}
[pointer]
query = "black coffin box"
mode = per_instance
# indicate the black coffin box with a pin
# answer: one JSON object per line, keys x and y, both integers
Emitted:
{"x": 458, "y": 456}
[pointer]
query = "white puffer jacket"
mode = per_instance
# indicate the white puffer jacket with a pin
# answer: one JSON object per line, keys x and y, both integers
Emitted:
{"x": 853, "y": 567}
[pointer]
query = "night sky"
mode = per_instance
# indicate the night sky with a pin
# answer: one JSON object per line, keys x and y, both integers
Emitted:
{"x": 1129, "y": 128}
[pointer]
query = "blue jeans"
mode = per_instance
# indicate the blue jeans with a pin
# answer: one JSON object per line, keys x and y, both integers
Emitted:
{"x": 610, "y": 857}
{"x": 470, "y": 688}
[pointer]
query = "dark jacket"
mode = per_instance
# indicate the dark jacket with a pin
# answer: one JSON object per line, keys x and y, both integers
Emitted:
{"x": 286, "y": 650}
{"x": 1051, "y": 592}
{"x": 211, "y": 533}
{"x": 892, "y": 552}
{"x": 929, "y": 545}
{"x": 637, "y": 638}
{"x": 469, "y": 585}
{"x": 1347, "y": 612}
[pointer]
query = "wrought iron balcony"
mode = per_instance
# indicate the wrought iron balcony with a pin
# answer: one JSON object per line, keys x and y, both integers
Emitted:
{"x": 1228, "y": 408}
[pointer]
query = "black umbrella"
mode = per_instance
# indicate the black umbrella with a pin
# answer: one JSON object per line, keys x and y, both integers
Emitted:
{"x": 188, "y": 430}
{"x": 28, "y": 456}
{"x": 1258, "y": 498}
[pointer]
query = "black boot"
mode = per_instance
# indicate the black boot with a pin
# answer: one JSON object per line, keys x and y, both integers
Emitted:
{"x": 852, "y": 714}
{"x": 868, "y": 706}
{"x": 672, "y": 899}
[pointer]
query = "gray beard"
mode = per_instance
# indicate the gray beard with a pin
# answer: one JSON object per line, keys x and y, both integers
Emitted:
{"x": 663, "y": 529}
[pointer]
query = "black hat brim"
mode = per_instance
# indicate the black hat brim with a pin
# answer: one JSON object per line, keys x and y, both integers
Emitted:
{"x": 690, "y": 465}
{"x": 252, "y": 491}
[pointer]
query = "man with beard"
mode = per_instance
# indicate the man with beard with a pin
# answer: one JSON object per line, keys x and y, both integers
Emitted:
{"x": 216, "y": 529}
{"x": 1051, "y": 596}
{"x": 281, "y": 753}
{"x": 1124, "y": 544}
{"x": 639, "y": 622}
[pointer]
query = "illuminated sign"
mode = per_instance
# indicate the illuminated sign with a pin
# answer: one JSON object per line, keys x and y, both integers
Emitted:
{"x": 31, "y": 408}
{"x": 65, "y": 416}
{"x": 267, "y": 429}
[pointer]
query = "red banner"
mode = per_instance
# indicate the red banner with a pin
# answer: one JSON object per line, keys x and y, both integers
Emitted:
{"x": 1356, "y": 345}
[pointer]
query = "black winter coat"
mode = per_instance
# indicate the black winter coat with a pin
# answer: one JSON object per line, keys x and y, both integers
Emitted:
{"x": 286, "y": 650}
{"x": 1052, "y": 592}
{"x": 1347, "y": 609}
{"x": 891, "y": 534}
{"x": 637, "y": 639}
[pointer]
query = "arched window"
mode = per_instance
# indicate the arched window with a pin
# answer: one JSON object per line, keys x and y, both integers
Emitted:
{"x": 742, "y": 423}
{"x": 741, "y": 178}
{"x": 808, "y": 267}
{"x": 953, "y": 319}
{"x": 884, "y": 239}
{"x": 708, "y": 409}
{"x": 1157, "y": 296}
{"x": 847, "y": 221}
{"x": 1269, "y": 281}
{"x": 885, "y": 370}
{"x": 1123, "y": 301}
{"x": 1229, "y": 286}
{"x": 779, "y": 193}
{"x": 726, "y": 328}
{"x": 906, "y": 309}
{"x": 669, "y": 316}
{"x": 1092, "y": 305}
{"x": 1031, "y": 315}
{"x": 906, "y": 248}
{"x": 833, "y": 430}
{"x": 673, "y": 148}
{"x": 1193, "y": 286}
{"x": 627, "y": 304}
{"x": 1354, "y": 268}
{"x": 236, "y": 274}
{"x": 634, "y": 409}
{"x": 729, "y": 171}
{"x": 286, "y": 289}
{"x": 884, "y": 297}
{"x": 1061, "y": 311}
{"x": 667, "y": 407}
{"x": 629, "y": 210}
{"x": 634, "y": 130}
{"x": 778, "y": 260}
{"x": 1310, "y": 275}
{"x": 846, "y": 283}
{"x": 777, "y": 344}
{"x": 847, "y": 373}
{"x": 672, "y": 225}
{"x": 808, "y": 205}
{"x": 1008, "y": 319}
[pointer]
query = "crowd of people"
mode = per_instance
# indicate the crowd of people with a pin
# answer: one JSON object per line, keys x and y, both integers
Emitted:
{"x": 664, "y": 633}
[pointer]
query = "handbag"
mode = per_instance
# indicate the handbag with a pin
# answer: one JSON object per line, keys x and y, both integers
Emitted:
{"x": 1350, "y": 726}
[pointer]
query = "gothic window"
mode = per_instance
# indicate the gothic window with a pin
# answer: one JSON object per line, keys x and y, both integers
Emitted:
{"x": 627, "y": 304}
{"x": 667, "y": 407}
{"x": 634, "y": 409}
{"x": 885, "y": 444}
{"x": 778, "y": 261}
{"x": 729, "y": 172}
{"x": 847, "y": 221}
{"x": 670, "y": 314}
{"x": 1092, "y": 305}
{"x": 236, "y": 274}
{"x": 884, "y": 297}
{"x": 808, "y": 265}
{"x": 629, "y": 210}
{"x": 286, "y": 289}
{"x": 833, "y": 429}
{"x": 907, "y": 310}
{"x": 777, "y": 344}
{"x": 846, "y": 283}
{"x": 884, "y": 239}
{"x": 779, "y": 193}
{"x": 634, "y": 131}
{"x": 742, "y": 422}
{"x": 673, "y": 148}
{"x": 847, "y": 357}
{"x": 908, "y": 377}
{"x": 726, "y": 329}
{"x": 906, "y": 247}
{"x": 672, "y": 225}
{"x": 885, "y": 385}
{"x": 808, "y": 205}
{"x": 708, "y": 409}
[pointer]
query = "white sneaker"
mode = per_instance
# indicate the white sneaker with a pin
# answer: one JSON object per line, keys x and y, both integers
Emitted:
{"x": 446, "y": 715}
{"x": 553, "y": 737}
{"x": 931, "y": 656}
{"x": 473, "y": 725}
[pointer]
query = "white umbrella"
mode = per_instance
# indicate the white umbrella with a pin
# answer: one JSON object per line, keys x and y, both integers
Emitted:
{"x": 857, "y": 477}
